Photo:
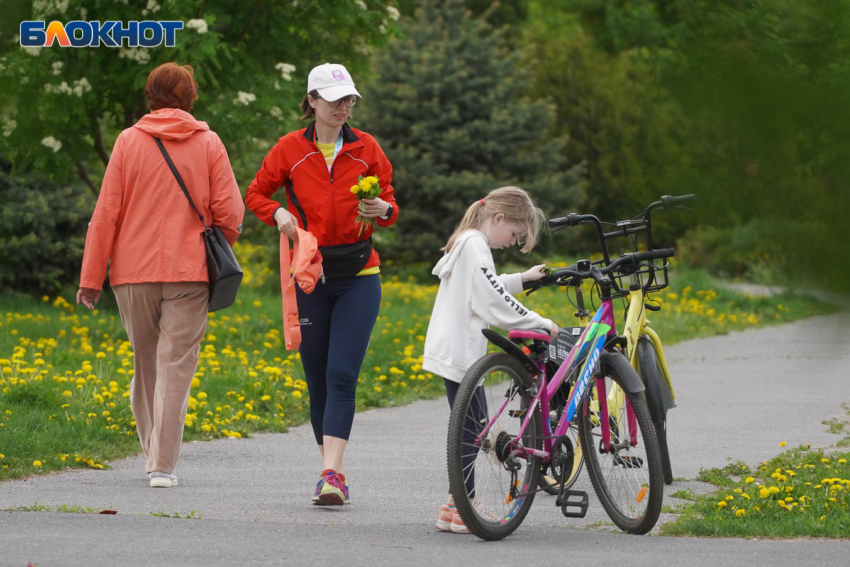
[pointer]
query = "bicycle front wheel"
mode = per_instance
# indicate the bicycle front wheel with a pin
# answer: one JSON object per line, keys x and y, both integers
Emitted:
{"x": 492, "y": 480}
{"x": 625, "y": 465}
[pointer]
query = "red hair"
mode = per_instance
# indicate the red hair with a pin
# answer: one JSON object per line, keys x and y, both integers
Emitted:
{"x": 171, "y": 86}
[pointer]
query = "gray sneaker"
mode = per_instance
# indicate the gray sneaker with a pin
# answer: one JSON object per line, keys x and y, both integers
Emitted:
{"x": 162, "y": 480}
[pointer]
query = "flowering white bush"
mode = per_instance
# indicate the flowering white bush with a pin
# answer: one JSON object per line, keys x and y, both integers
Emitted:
{"x": 286, "y": 70}
{"x": 244, "y": 99}
{"x": 138, "y": 54}
{"x": 198, "y": 25}
{"x": 52, "y": 143}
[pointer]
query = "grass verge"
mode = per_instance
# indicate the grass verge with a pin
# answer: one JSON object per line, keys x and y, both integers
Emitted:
{"x": 65, "y": 372}
{"x": 799, "y": 493}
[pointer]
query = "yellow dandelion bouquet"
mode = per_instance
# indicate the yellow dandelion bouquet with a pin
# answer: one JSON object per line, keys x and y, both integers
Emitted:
{"x": 366, "y": 188}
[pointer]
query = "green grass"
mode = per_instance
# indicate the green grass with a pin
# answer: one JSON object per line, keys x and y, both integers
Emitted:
{"x": 62, "y": 508}
{"x": 799, "y": 493}
{"x": 64, "y": 371}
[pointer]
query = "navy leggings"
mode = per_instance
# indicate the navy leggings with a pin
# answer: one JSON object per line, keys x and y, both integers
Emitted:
{"x": 336, "y": 323}
{"x": 472, "y": 426}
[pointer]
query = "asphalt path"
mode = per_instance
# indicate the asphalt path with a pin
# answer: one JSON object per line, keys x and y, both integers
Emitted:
{"x": 738, "y": 397}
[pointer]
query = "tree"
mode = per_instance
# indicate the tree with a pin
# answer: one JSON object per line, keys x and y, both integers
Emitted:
{"x": 619, "y": 120}
{"x": 447, "y": 108}
{"x": 753, "y": 94}
{"x": 61, "y": 108}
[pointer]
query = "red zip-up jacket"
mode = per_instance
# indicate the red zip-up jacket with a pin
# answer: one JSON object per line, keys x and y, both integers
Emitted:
{"x": 321, "y": 200}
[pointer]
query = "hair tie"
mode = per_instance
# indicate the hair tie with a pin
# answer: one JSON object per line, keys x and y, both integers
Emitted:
{"x": 481, "y": 201}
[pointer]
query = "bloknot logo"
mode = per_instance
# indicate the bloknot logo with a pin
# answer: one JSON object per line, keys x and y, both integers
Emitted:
{"x": 110, "y": 33}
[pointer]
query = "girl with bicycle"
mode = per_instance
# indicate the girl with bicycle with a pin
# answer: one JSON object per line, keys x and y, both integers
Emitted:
{"x": 471, "y": 296}
{"x": 318, "y": 165}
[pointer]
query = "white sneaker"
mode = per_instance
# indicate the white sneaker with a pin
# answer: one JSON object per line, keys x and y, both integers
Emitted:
{"x": 162, "y": 480}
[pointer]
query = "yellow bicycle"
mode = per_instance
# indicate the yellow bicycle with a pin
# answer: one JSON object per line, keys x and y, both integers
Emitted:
{"x": 642, "y": 347}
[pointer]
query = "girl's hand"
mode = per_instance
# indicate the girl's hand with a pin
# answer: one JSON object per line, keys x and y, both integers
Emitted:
{"x": 554, "y": 330}
{"x": 533, "y": 274}
{"x": 374, "y": 207}
{"x": 286, "y": 223}
{"x": 88, "y": 296}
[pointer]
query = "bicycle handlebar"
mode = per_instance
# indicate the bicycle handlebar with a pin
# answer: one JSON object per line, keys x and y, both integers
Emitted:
{"x": 597, "y": 273}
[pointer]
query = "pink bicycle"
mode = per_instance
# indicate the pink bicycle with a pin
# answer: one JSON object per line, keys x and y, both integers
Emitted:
{"x": 500, "y": 434}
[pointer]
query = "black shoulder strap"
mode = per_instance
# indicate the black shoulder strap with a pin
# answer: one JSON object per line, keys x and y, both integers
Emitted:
{"x": 179, "y": 179}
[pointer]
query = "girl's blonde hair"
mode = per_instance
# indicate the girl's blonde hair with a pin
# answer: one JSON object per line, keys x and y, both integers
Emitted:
{"x": 512, "y": 202}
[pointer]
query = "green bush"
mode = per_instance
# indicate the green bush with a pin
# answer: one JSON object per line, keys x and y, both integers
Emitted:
{"x": 42, "y": 233}
{"x": 765, "y": 251}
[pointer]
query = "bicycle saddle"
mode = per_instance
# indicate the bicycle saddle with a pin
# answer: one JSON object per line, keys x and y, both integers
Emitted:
{"x": 535, "y": 334}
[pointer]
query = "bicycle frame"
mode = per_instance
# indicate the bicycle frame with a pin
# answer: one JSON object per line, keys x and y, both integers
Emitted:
{"x": 602, "y": 327}
{"x": 637, "y": 325}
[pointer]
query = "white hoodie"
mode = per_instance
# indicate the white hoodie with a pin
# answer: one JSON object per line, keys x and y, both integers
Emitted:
{"x": 470, "y": 298}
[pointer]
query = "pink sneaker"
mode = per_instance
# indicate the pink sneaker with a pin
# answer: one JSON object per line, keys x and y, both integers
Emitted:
{"x": 458, "y": 527}
{"x": 444, "y": 519}
{"x": 334, "y": 491}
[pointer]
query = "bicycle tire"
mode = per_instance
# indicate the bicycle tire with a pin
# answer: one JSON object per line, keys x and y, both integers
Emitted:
{"x": 625, "y": 477}
{"x": 493, "y": 515}
{"x": 648, "y": 362}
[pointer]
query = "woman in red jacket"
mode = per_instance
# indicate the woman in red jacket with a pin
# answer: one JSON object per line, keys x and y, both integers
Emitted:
{"x": 317, "y": 166}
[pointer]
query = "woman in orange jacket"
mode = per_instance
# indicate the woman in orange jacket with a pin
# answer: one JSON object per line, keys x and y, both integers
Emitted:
{"x": 144, "y": 225}
{"x": 318, "y": 165}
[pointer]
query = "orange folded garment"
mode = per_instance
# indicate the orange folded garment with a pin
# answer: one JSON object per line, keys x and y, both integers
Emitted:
{"x": 305, "y": 269}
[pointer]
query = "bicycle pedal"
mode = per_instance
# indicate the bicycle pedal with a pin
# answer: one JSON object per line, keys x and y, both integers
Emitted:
{"x": 573, "y": 503}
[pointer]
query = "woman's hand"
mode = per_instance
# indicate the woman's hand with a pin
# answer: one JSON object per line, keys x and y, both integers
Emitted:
{"x": 533, "y": 274}
{"x": 374, "y": 208}
{"x": 554, "y": 330}
{"x": 88, "y": 296}
{"x": 286, "y": 223}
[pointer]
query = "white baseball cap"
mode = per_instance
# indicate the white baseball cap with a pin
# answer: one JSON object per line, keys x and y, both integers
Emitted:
{"x": 332, "y": 81}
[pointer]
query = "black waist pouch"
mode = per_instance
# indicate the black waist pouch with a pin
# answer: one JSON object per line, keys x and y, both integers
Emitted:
{"x": 345, "y": 260}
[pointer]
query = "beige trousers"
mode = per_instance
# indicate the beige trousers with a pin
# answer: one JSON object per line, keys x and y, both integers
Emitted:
{"x": 165, "y": 323}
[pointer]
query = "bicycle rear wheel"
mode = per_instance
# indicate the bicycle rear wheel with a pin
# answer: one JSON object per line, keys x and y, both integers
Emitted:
{"x": 627, "y": 474}
{"x": 650, "y": 371}
{"x": 492, "y": 484}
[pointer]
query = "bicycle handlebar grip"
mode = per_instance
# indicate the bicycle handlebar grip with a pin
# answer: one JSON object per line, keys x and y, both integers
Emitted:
{"x": 663, "y": 253}
{"x": 654, "y": 254}
{"x": 670, "y": 200}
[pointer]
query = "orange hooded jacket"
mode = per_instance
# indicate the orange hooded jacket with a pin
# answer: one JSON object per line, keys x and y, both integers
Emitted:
{"x": 306, "y": 266}
{"x": 143, "y": 222}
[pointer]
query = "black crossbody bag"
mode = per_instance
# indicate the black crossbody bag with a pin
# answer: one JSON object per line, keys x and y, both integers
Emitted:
{"x": 224, "y": 272}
